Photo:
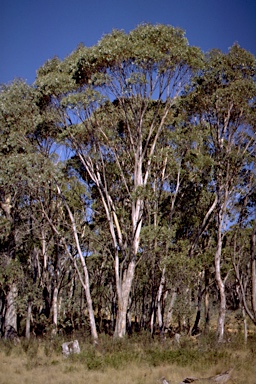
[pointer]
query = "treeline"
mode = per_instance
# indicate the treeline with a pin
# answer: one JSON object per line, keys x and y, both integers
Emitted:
{"x": 127, "y": 189}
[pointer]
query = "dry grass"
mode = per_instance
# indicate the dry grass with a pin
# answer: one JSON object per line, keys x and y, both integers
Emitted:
{"x": 17, "y": 370}
{"x": 42, "y": 363}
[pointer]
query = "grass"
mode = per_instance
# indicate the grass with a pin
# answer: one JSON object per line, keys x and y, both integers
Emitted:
{"x": 137, "y": 360}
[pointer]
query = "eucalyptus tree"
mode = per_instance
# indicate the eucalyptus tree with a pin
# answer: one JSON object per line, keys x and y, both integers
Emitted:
{"x": 20, "y": 165}
{"x": 242, "y": 243}
{"x": 245, "y": 269}
{"x": 223, "y": 105}
{"x": 81, "y": 251}
{"x": 30, "y": 254}
{"x": 114, "y": 100}
{"x": 15, "y": 154}
{"x": 174, "y": 207}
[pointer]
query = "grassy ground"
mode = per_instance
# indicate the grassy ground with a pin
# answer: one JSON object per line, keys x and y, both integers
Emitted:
{"x": 137, "y": 360}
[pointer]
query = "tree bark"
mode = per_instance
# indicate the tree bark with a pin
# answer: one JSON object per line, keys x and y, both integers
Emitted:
{"x": 85, "y": 281}
{"x": 245, "y": 325}
{"x": 159, "y": 298}
{"x": 195, "y": 328}
{"x": 170, "y": 308}
{"x": 28, "y": 319}
{"x": 10, "y": 319}
{"x": 123, "y": 300}
{"x": 221, "y": 286}
{"x": 55, "y": 310}
{"x": 206, "y": 302}
{"x": 253, "y": 270}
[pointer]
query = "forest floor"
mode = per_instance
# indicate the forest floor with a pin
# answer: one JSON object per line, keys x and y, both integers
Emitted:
{"x": 131, "y": 361}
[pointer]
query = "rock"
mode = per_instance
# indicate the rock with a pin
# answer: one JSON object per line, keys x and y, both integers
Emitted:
{"x": 70, "y": 347}
{"x": 177, "y": 337}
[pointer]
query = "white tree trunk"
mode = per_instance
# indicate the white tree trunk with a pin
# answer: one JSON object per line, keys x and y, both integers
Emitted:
{"x": 124, "y": 283}
{"x": 86, "y": 285}
{"x": 10, "y": 321}
{"x": 55, "y": 310}
{"x": 85, "y": 281}
{"x": 28, "y": 319}
{"x": 221, "y": 288}
{"x": 159, "y": 298}
{"x": 245, "y": 325}
{"x": 123, "y": 300}
{"x": 170, "y": 308}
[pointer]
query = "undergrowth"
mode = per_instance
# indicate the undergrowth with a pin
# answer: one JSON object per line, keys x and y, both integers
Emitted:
{"x": 202, "y": 356}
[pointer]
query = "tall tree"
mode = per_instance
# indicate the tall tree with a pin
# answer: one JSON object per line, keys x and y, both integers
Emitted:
{"x": 114, "y": 100}
{"x": 223, "y": 104}
{"x": 15, "y": 156}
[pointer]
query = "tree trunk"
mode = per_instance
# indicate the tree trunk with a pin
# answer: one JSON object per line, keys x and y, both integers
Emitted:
{"x": 245, "y": 325}
{"x": 170, "y": 308}
{"x": 10, "y": 320}
{"x": 86, "y": 285}
{"x": 2, "y": 309}
{"x": 159, "y": 299}
{"x": 124, "y": 283}
{"x": 253, "y": 271}
{"x": 152, "y": 319}
{"x": 195, "y": 329}
{"x": 221, "y": 288}
{"x": 123, "y": 293}
{"x": 206, "y": 301}
{"x": 85, "y": 281}
{"x": 28, "y": 319}
{"x": 55, "y": 310}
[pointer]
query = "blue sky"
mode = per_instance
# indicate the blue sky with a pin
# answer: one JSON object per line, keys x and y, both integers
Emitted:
{"x": 32, "y": 31}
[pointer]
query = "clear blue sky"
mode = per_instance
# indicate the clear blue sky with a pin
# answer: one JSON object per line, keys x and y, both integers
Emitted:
{"x": 32, "y": 31}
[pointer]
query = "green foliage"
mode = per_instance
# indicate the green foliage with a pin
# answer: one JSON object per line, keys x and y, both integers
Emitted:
{"x": 118, "y": 355}
{"x": 150, "y": 125}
